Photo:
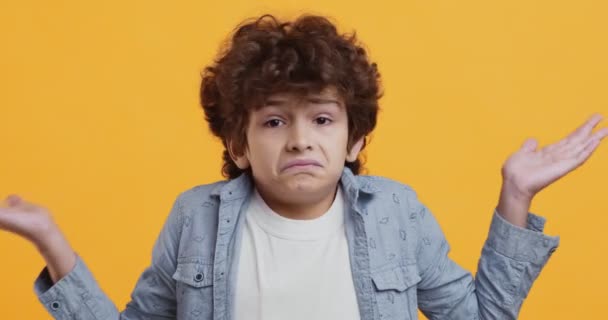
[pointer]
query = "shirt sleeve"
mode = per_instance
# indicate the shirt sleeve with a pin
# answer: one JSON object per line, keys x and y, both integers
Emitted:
{"x": 511, "y": 259}
{"x": 78, "y": 296}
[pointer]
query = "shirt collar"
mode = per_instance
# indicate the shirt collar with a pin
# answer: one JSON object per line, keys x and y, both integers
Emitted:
{"x": 242, "y": 185}
{"x": 354, "y": 184}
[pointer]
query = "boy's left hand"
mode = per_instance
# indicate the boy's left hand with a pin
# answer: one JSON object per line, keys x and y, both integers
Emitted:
{"x": 528, "y": 170}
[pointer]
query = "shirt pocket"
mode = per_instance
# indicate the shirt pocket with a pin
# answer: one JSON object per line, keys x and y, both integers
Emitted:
{"x": 194, "y": 289}
{"x": 395, "y": 290}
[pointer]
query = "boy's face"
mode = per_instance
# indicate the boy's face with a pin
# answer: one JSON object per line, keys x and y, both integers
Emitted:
{"x": 297, "y": 146}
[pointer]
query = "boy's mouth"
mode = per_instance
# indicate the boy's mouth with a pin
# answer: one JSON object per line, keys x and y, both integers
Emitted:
{"x": 301, "y": 163}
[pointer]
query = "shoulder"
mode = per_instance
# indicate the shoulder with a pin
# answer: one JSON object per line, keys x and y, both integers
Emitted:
{"x": 390, "y": 195}
{"x": 200, "y": 195}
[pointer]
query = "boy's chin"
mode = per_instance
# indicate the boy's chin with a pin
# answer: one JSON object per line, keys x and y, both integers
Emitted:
{"x": 303, "y": 187}
{"x": 303, "y": 183}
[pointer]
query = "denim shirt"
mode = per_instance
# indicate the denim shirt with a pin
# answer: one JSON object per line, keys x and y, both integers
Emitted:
{"x": 397, "y": 250}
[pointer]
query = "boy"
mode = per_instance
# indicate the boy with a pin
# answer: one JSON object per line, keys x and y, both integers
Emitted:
{"x": 296, "y": 232}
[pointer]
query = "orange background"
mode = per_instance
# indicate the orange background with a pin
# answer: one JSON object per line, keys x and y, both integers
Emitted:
{"x": 100, "y": 122}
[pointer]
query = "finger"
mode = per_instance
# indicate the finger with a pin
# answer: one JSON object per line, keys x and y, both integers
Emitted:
{"x": 601, "y": 134}
{"x": 6, "y": 218}
{"x": 588, "y": 150}
{"x": 529, "y": 145}
{"x": 13, "y": 200}
{"x": 574, "y": 150}
{"x": 579, "y": 135}
{"x": 583, "y": 131}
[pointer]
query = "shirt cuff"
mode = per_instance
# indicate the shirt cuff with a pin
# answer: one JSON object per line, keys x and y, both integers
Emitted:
{"x": 528, "y": 244}
{"x": 64, "y": 298}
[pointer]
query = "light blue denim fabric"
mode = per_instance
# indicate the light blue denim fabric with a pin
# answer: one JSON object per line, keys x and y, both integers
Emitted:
{"x": 398, "y": 255}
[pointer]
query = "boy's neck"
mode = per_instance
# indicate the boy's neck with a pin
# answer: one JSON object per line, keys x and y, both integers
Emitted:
{"x": 312, "y": 209}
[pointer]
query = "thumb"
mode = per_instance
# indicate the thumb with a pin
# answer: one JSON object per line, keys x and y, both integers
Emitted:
{"x": 529, "y": 145}
{"x": 13, "y": 200}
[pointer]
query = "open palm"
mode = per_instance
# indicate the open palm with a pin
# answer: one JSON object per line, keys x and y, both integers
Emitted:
{"x": 24, "y": 218}
{"x": 531, "y": 170}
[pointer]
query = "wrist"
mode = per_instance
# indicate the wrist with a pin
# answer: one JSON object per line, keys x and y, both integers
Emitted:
{"x": 59, "y": 256}
{"x": 49, "y": 241}
{"x": 511, "y": 189}
{"x": 513, "y": 206}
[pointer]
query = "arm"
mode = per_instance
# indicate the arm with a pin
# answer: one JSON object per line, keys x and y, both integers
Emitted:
{"x": 153, "y": 297}
{"x": 516, "y": 249}
{"x": 511, "y": 260}
{"x": 76, "y": 293}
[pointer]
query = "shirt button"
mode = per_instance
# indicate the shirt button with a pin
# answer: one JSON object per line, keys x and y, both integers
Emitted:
{"x": 199, "y": 277}
{"x": 55, "y": 305}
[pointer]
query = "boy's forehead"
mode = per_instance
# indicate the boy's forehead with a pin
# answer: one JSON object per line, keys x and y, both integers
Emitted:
{"x": 328, "y": 95}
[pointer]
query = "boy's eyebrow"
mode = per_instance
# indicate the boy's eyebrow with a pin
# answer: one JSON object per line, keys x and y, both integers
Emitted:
{"x": 324, "y": 101}
{"x": 317, "y": 100}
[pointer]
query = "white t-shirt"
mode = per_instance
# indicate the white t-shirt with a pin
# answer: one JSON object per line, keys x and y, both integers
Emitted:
{"x": 294, "y": 269}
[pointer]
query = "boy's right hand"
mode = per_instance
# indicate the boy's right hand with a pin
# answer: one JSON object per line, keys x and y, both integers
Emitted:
{"x": 26, "y": 219}
{"x": 36, "y": 224}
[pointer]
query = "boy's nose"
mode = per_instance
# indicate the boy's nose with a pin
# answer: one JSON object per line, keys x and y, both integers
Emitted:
{"x": 298, "y": 138}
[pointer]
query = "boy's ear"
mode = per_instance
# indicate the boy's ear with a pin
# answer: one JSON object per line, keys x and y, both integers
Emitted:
{"x": 353, "y": 153}
{"x": 241, "y": 161}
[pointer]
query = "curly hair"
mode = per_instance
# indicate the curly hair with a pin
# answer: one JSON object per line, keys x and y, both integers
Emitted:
{"x": 266, "y": 56}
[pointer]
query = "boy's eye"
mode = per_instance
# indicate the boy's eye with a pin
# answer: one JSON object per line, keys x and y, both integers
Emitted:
{"x": 322, "y": 120}
{"x": 272, "y": 123}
